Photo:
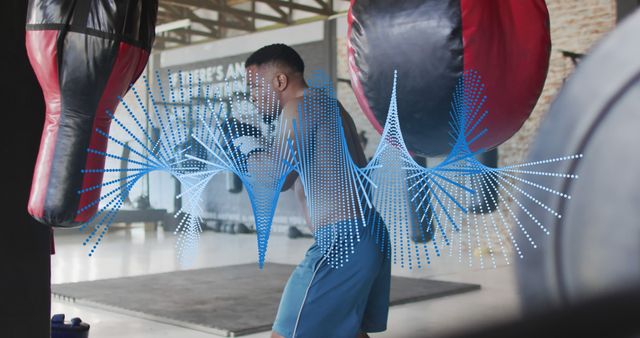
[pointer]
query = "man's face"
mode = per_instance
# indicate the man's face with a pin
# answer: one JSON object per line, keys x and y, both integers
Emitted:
{"x": 263, "y": 96}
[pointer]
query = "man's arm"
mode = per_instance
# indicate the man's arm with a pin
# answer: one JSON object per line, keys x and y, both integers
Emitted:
{"x": 289, "y": 114}
{"x": 268, "y": 157}
{"x": 353, "y": 141}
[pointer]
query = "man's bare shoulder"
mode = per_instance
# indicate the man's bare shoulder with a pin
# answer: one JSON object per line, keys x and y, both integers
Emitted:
{"x": 293, "y": 108}
{"x": 293, "y": 111}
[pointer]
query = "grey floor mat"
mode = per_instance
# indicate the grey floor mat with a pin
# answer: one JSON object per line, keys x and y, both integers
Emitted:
{"x": 228, "y": 301}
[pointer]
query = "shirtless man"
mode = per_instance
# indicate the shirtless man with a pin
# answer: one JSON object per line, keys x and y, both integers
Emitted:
{"x": 319, "y": 300}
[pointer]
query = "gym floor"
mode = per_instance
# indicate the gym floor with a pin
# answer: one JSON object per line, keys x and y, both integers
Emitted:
{"x": 136, "y": 251}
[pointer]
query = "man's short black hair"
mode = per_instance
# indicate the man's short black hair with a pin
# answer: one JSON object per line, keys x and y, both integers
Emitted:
{"x": 278, "y": 53}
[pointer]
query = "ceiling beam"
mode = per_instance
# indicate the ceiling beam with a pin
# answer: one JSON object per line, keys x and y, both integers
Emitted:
{"x": 324, "y": 4}
{"x": 171, "y": 39}
{"x": 293, "y": 5}
{"x": 279, "y": 10}
{"x": 211, "y": 35}
{"x": 209, "y": 23}
{"x": 224, "y": 9}
{"x": 240, "y": 18}
{"x": 229, "y": 17}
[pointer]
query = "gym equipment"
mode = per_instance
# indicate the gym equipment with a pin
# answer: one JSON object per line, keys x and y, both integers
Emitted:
{"x": 421, "y": 229}
{"x": 75, "y": 328}
{"x": 241, "y": 228}
{"x": 242, "y": 137}
{"x": 485, "y": 205}
{"x": 85, "y": 55}
{"x": 233, "y": 182}
{"x": 293, "y": 232}
{"x": 229, "y": 228}
{"x": 595, "y": 246}
{"x": 431, "y": 43}
{"x": 214, "y": 225}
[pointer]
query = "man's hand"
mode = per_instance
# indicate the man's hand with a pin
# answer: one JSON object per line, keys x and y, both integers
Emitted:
{"x": 242, "y": 137}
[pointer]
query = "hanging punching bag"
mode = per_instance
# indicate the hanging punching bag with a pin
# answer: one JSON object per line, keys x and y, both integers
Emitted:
{"x": 85, "y": 53}
{"x": 431, "y": 43}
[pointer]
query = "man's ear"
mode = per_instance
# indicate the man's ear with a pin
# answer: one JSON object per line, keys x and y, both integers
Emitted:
{"x": 280, "y": 82}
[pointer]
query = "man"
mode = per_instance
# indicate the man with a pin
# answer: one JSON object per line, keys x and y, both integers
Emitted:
{"x": 319, "y": 300}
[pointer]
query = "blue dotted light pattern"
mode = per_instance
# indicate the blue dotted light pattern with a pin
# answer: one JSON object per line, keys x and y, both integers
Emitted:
{"x": 451, "y": 196}
{"x": 206, "y": 130}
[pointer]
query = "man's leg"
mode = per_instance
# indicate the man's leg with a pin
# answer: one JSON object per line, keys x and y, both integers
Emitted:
{"x": 377, "y": 310}
{"x": 294, "y": 293}
{"x": 318, "y": 294}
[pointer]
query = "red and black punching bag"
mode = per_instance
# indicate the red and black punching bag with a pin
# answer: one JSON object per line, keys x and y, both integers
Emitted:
{"x": 85, "y": 54}
{"x": 431, "y": 43}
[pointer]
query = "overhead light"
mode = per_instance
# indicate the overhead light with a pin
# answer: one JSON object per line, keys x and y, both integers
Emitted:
{"x": 173, "y": 25}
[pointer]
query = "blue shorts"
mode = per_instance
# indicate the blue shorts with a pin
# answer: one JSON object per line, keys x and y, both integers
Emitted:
{"x": 322, "y": 301}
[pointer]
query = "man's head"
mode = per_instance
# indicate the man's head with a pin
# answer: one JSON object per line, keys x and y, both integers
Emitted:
{"x": 274, "y": 72}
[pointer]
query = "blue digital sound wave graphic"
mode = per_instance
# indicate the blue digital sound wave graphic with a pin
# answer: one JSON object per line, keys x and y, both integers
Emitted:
{"x": 414, "y": 212}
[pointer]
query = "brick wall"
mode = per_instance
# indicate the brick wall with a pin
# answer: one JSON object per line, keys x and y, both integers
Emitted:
{"x": 575, "y": 26}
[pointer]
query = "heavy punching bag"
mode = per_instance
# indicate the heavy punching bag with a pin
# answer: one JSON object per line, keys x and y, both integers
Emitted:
{"x": 431, "y": 43}
{"x": 85, "y": 54}
{"x": 594, "y": 248}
